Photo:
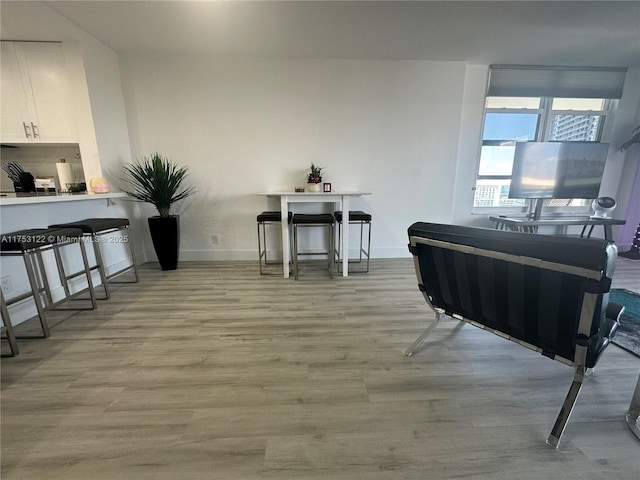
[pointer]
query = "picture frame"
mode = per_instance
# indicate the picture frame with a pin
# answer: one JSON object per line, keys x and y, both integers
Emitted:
{"x": 326, "y": 187}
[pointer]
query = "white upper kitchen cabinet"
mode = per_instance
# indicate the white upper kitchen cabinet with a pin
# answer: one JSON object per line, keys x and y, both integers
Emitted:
{"x": 36, "y": 99}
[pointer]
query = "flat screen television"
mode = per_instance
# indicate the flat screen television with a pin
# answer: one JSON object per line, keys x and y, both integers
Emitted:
{"x": 557, "y": 169}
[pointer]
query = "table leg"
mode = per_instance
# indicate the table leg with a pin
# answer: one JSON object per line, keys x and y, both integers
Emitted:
{"x": 345, "y": 235}
{"x": 608, "y": 233}
{"x": 286, "y": 241}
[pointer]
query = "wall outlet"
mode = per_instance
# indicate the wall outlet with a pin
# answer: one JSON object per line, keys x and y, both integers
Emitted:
{"x": 7, "y": 284}
{"x": 215, "y": 239}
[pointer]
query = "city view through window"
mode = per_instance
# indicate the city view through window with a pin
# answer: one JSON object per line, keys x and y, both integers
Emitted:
{"x": 509, "y": 120}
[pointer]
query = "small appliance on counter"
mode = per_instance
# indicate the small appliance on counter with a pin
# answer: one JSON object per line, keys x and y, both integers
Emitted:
{"x": 45, "y": 184}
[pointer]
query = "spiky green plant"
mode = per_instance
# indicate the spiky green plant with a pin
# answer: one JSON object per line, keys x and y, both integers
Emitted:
{"x": 157, "y": 180}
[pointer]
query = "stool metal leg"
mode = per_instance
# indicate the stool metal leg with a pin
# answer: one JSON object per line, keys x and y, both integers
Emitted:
{"x": 87, "y": 271}
{"x": 263, "y": 248}
{"x": 11, "y": 337}
{"x": 331, "y": 243}
{"x": 133, "y": 256}
{"x": 41, "y": 272}
{"x": 36, "y": 295}
{"x": 100, "y": 264}
{"x": 367, "y": 253}
{"x": 133, "y": 265}
{"x": 295, "y": 251}
{"x": 64, "y": 279}
{"x": 259, "y": 248}
{"x": 61, "y": 274}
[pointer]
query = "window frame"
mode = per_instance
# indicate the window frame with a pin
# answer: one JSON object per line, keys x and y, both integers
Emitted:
{"x": 543, "y": 130}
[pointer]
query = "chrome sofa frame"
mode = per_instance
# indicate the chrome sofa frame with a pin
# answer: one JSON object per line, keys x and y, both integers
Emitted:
{"x": 486, "y": 277}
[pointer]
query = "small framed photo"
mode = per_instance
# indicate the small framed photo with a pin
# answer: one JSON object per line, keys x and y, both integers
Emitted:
{"x": 326, "y": 187}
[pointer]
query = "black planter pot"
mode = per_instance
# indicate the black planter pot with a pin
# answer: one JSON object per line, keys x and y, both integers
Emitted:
{"x": 165, "y": 234}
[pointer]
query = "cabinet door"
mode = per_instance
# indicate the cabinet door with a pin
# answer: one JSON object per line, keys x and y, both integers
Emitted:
{"x": 49, "y": 97}
{"x": 14, "y": 114}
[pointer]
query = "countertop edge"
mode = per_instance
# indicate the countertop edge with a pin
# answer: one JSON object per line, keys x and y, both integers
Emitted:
{"x": 9, "y": 201}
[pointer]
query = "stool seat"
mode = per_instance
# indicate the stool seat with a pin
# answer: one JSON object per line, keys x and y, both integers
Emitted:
{"x": 354, "y": 216}
{"x": 313, "y": 218}
{"x": 95, "y": 225}
{"x": 271, "y": 216}
{"x": 23, "y": 240}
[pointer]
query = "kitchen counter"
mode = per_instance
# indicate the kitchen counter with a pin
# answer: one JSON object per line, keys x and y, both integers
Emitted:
{"x": 30, "y": 199}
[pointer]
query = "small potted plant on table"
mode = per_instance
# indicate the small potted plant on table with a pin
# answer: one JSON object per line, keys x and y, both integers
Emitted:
{"x": 314, "y": 178}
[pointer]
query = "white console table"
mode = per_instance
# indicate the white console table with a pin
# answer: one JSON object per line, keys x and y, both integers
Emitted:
{"x": 341, "y": 199}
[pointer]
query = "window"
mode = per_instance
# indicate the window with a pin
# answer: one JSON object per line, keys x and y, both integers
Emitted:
{"x": 539, "y": 104}
{"x": 532, "y": 104}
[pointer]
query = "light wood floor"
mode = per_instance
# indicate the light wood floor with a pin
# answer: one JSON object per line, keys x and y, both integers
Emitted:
{"x": 214, "y": 372}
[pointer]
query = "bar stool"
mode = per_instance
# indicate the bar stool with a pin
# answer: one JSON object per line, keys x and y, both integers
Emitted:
{"x": 30, "y": 244}
{"x": 6, "y": 326}
{"x": 313, "y": 220}
{"x": 264, "y": 219}
{"x": 94, "y": 228}
{"x": 356, "y": 217}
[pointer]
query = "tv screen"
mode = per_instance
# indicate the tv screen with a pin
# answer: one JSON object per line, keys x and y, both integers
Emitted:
{"x": 557, "y": 169}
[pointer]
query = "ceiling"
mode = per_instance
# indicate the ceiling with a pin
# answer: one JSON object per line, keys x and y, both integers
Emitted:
{"x": 603, "y": 33}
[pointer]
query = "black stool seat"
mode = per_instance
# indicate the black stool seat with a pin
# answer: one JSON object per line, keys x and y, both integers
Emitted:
{"x": 95, "y": 225}
{"x": 272, "y": 217}
{"x": 354, "y": 216}
{"x": 31, "y": 238}
{"x": 312, "y": 218}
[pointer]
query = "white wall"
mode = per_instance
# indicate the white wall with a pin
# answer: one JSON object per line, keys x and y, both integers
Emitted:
{"x": 247, "y": 125}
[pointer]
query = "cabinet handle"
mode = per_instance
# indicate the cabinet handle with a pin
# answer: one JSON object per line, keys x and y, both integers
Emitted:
{"x": 36, "y": 131}
{"x": 27, "y": 132}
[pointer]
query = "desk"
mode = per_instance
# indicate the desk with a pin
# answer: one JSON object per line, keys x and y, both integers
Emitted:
{"x": 523, "y": 224}
{"x": 341, "y": 199}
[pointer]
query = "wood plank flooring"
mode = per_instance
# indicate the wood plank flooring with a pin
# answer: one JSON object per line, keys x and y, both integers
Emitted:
{"x": 215, "y": 372}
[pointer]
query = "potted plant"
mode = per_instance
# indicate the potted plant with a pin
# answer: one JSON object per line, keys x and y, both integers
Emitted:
{"x": 159, "y": 181}
{"x": 314, "y": 178}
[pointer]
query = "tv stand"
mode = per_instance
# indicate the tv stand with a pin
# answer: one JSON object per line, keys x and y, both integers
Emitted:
{"x": 538, "y": 211}
{"x": 527, "y": 225}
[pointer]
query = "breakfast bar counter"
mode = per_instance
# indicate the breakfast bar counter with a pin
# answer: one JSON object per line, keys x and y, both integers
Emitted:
{"x": 30, "y": 199}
